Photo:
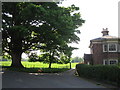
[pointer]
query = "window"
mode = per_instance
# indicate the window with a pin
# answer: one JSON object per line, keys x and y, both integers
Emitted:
{"x": 118, "y": 47}
{"x": 105, "y": 62}
{"x": 105, "y": 48}
{"x": 88, "y": 63}
{"x": 110, "y": 62}
{"x": 112, "y": 47}
{"x": 113, "y": 61}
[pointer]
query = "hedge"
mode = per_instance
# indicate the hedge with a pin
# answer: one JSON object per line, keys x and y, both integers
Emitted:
{"x": 100, "y": 72}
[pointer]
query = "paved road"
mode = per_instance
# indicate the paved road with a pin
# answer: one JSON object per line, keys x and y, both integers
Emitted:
{"x": 57, "y": 80}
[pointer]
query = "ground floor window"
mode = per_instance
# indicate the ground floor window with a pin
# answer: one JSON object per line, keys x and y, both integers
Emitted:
{"x": 110, "y": 62}
{"x": 113, "y": 61}
{"x": 105, "y": 62}
{"x": 88, "y": 63}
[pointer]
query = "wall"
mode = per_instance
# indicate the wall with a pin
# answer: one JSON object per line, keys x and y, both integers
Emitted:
{"x": 97, "y": 54}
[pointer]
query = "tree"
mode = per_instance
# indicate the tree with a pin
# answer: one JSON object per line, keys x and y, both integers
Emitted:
{"x": 77, "y": 59}
{"x": 6, "y": 56}
{"x": 68, "y": 52}
{"x": 33, "y": 57}
{"x": 63, "y": 32}
{"x": 48, "y": 58}
{"x": 27, "y": 25}
{"x": 64, "y": 59}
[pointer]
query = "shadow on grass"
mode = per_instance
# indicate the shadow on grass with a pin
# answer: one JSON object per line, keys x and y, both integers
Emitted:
{"x": 36, "y": 70}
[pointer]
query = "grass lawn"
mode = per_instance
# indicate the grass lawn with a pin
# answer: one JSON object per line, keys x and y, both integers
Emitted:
{"x": 39, "y": 64}
{"x": 39, "y": 67}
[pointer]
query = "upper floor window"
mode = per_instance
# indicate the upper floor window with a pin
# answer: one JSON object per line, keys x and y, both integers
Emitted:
{"x": 112, "y": 47}
{"x": 105, "y": 48}
{"x": 118, "y": 47}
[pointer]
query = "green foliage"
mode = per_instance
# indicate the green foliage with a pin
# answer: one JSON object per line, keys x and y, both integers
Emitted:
{"x": 7, "y": 56}
{"x": 48, "y": 58}
{"x": 31, "y": 26}
{"x": 100, "y": 72}
{"x": 33, "y": 57}
{"x": 77, "y": 59}
{"x": 0, "y": 49}
{"x": 64, "y": 59}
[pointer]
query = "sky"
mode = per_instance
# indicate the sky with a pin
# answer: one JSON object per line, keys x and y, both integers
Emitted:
{"x": 98, "y": 14}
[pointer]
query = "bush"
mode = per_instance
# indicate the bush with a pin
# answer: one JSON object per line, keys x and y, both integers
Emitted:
{"x": 100, "y": 72}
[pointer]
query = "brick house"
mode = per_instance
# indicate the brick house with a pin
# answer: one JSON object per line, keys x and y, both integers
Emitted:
{"x": 104, "y": 50}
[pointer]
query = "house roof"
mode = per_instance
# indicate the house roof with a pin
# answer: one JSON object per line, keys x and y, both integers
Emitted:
{"x": 104, "y": 38}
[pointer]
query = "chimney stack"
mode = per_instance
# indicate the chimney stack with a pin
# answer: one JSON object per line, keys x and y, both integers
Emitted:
{"x": 105, "y": 32}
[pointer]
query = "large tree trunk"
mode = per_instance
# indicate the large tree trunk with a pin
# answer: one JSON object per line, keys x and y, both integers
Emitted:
{"x": 70, "y": 65}
{"x": 50, "y": 64}
{"x": 16, "y": 50}
{"x": 51, "y": 58}
{"x": 16, "y": 60}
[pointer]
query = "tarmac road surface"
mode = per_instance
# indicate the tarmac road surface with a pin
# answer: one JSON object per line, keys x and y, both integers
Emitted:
{"x": 66, "y": 79}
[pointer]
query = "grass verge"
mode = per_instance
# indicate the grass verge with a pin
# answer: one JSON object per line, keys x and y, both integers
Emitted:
{"x": 37, "y": 70}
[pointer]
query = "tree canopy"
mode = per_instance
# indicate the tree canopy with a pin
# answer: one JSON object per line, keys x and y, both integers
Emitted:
{"x": 38, "y": 25}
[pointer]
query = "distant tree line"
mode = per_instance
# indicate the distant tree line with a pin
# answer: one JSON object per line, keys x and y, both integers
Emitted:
{"x": 77, "y": 60}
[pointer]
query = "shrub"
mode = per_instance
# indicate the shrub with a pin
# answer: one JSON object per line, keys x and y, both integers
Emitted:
{"x": 100, "y": 72}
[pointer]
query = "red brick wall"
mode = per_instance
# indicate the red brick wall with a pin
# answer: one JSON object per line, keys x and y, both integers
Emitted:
{"x": 99, "y": 55}
{"x": 111, "y": 55}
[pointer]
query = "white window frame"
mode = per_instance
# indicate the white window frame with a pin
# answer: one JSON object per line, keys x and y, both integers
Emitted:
{"x": 115, "y": 47}
{"x": 108, "y": 46}
{"x": 104, "y": 62}
{"x": 118, "y": 47}
{"x": 104, "y": 47}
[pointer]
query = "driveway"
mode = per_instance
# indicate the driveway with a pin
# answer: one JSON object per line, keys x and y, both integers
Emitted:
{"x": 67, "y": 79}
